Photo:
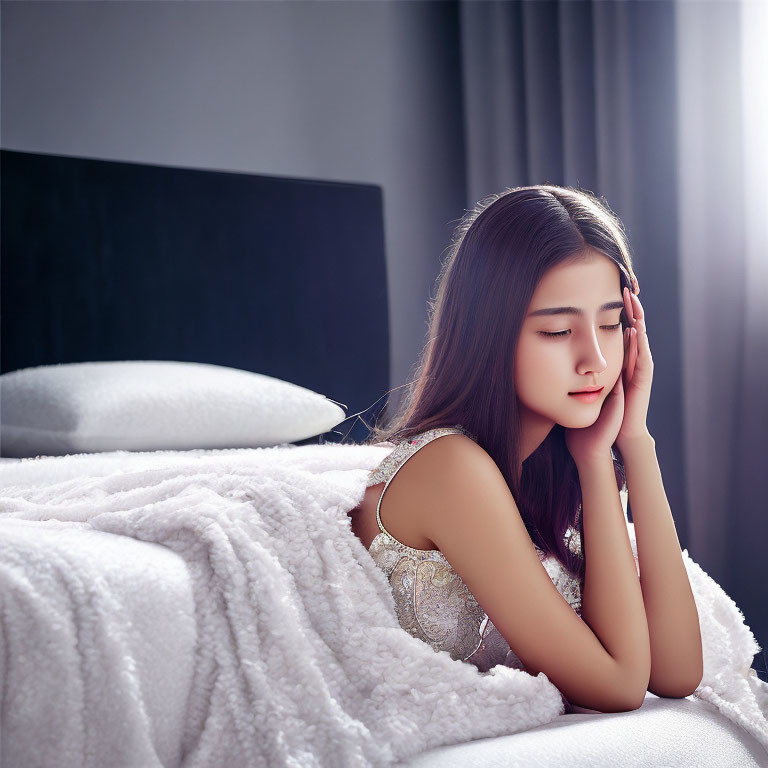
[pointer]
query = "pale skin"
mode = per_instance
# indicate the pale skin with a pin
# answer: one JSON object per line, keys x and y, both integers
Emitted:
{"x": 634, "y": 634}
{"x": 593, "y": 352}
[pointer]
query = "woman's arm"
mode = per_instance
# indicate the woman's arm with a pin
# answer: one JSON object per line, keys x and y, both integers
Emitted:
{"x": 673, "y": 621}
{"x": 612, "y": 601}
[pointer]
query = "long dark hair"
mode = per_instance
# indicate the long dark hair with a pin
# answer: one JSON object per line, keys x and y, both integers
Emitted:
{"x": 499, "y": 252}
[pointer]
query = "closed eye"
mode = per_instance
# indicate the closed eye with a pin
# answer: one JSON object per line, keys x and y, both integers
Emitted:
{"x": 563, "y": 333}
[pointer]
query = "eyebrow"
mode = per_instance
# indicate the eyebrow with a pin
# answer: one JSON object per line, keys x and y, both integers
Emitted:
{"x": 575, "y": 310}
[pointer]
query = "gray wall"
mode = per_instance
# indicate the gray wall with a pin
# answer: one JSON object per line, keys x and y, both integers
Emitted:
{"x": 343, "y": 91}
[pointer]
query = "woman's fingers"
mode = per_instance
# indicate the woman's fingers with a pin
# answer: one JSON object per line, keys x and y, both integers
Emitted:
{"x": 636, "y": 345}
{"x": 629, "y": 306}
{"x": 629, "y": 358}
{"x": 643, "y": 346}
{"x": 638, "y": 339}
{"x": 624, "y": 340}
{"x": 633, "y": 353}
{"x": 626, "y": 349}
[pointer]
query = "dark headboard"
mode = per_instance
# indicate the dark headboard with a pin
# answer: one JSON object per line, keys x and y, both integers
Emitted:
{"x": 107, "y": 260}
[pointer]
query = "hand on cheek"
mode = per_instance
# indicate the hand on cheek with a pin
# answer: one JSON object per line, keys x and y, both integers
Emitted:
{"x": 637, "y": 371}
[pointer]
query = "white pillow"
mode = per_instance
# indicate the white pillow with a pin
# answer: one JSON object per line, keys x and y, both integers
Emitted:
{"x": 148, "y": 405}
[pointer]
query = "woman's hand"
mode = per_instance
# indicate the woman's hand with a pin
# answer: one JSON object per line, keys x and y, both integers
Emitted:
{"x": 623, "y": 413}
{"x": 595, "y": 441}
{"x": 637, "y": 373}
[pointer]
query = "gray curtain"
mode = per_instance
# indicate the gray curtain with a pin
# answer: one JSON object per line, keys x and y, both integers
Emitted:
{"x": 643, "y": 103}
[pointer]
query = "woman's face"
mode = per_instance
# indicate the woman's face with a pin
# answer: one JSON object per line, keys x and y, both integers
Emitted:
{"x": 589, "y": 349}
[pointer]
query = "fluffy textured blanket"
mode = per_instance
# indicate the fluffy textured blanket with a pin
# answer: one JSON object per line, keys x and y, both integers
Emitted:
{"x": 299, "y": 657}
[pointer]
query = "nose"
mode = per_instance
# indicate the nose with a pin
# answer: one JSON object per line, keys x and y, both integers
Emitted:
{"x": 591, "y": 359}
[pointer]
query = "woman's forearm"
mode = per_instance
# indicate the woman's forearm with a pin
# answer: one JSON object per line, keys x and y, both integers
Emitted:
{"x": 612, "y": 602}
{"x": 673, "y": 621}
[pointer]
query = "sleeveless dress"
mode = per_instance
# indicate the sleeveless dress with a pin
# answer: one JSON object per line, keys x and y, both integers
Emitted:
{"x": 431, "y": 600}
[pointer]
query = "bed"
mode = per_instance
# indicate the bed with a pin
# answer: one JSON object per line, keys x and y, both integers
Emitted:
{"x": 149, "y": 617}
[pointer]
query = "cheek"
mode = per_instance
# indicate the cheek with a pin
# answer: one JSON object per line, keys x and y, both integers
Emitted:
{"x": 538, "y": 366}
{"x": 617, "y": 348}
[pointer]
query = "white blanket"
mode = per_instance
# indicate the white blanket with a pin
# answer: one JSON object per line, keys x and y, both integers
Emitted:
{"x": 300, "y": 660}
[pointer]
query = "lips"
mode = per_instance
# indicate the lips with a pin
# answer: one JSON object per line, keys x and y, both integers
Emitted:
{"x": 586, "y": 391}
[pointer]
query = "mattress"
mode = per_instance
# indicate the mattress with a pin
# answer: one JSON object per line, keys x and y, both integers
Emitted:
{"x": 663, "y": 732}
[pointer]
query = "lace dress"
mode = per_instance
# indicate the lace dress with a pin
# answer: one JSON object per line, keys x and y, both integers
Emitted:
{"x": 432, "y": 602}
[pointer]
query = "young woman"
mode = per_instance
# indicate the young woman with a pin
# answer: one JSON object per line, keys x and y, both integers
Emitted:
{"x": 502, "y": 530}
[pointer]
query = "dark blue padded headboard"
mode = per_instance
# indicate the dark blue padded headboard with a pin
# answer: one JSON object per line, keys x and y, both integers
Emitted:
{"x": 107, "y": 260}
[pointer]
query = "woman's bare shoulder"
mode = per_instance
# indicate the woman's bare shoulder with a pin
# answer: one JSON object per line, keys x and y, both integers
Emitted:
{"x": 449, "y": 449}
{"x": 444, "y": 460}
{"x": 445, "y": 451}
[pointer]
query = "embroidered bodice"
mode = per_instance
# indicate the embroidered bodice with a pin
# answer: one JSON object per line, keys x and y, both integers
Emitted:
{"x": 432, "y": 602}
